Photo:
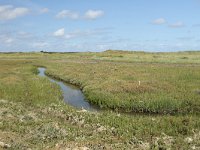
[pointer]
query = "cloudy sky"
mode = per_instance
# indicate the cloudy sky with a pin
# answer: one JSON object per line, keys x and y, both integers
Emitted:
{"x": 97, "y": 25}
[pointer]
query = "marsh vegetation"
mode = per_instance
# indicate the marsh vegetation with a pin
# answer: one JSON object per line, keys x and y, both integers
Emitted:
{"x": 160, "y": 89}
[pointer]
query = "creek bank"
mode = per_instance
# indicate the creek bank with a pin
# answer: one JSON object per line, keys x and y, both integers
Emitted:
{"x": 72, "y": 95}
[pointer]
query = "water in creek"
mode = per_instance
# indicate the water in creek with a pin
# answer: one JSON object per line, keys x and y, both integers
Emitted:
{"x": 72, "y": 95}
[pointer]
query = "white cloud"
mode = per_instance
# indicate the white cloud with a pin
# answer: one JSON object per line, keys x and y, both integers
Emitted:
{"x": 78, "y": 33}
{"x": 24, "y": 35}
{"x": 9, "y": 40}
{"x": 196, "y": 25}
{"x": 6, "y": 39}
{"x": 89, "y": 15}
{"x": 86, "y": 33}
{"x": 8, "y": 12}
{"x": 40, "y": 44}
{"x": 93, "y": 14}
{"x": 67, "y": 14}
{"x": 44, "y": 10}
{"x": 177, "y": 24}
{"x": 186, "y": 38}
{"x": 159, "y": 21}
{"x": 59, "y": 32}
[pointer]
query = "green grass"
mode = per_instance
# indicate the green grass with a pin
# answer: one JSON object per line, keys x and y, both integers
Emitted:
{"x": 33, "y": 114}
{"x": 164, "y": 87}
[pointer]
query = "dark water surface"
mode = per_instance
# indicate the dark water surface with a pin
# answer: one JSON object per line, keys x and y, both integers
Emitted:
{"x": 72, "y": 94}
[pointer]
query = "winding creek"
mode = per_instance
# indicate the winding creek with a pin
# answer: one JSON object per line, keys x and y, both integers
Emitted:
{"x": 72, "y": 95}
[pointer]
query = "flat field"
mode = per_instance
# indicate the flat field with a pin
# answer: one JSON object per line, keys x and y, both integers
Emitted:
{"x": 150, "y": 100}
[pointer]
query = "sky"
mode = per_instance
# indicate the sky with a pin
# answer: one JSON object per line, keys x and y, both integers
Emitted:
{"x": 98, "y": 25}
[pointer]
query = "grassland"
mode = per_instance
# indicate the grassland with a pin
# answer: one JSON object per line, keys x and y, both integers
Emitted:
{"x": 165, "y": 105}
{"x": 164, "y": 87}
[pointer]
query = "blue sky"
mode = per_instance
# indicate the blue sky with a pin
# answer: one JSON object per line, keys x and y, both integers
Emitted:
{"x": 98, "y": 25}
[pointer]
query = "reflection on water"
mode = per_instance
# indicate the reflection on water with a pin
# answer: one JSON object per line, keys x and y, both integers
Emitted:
{"x": 72, "y": 94}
